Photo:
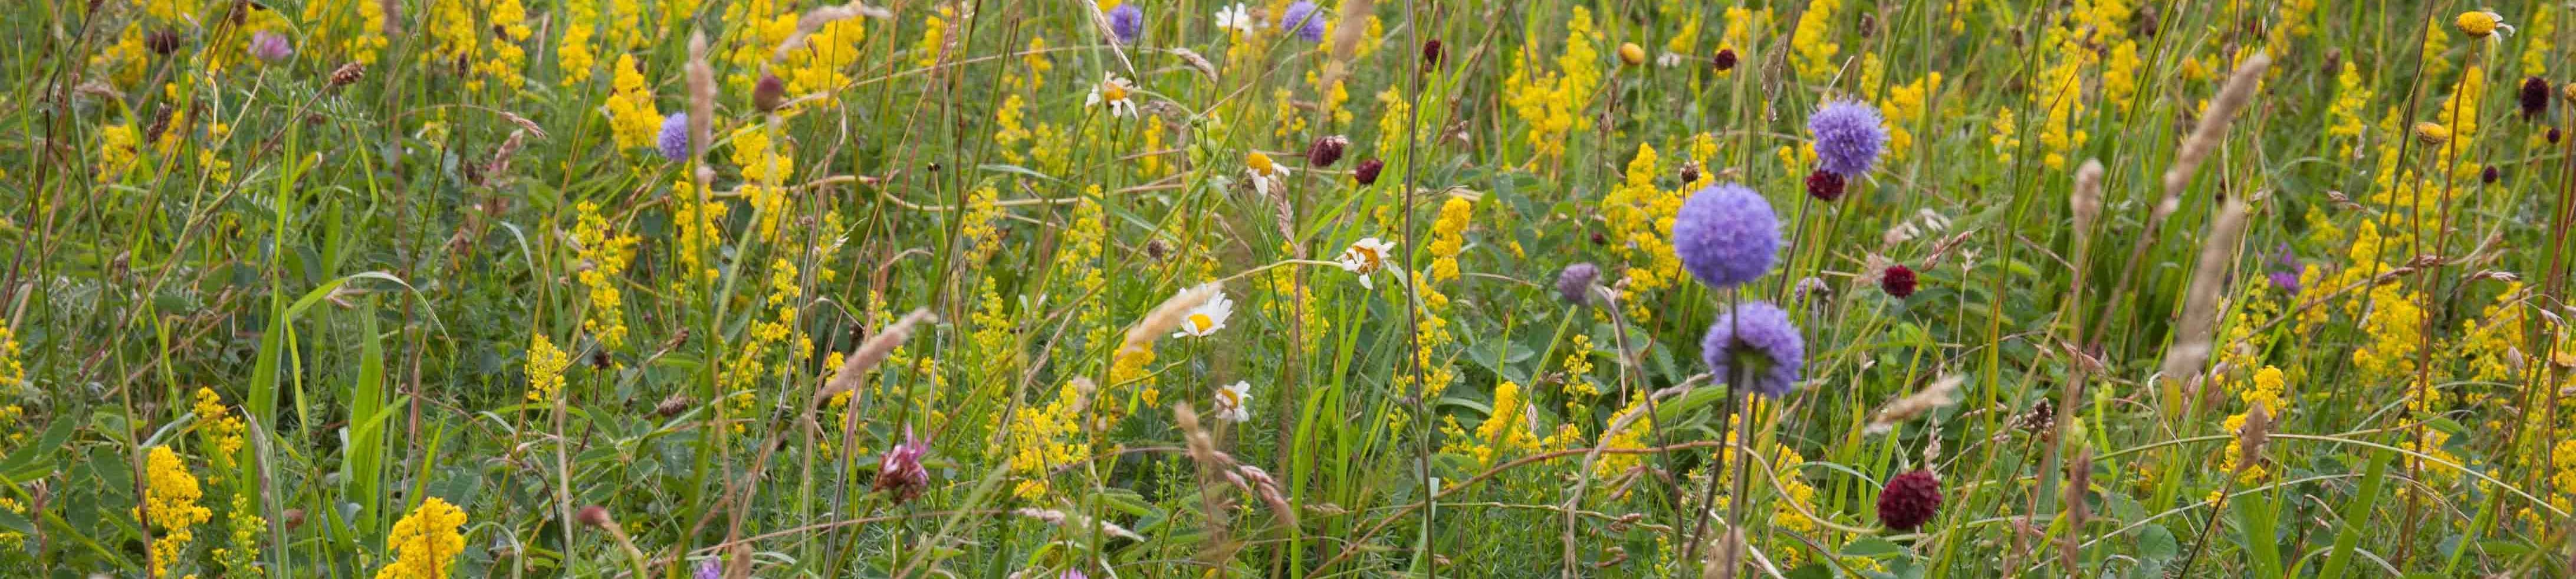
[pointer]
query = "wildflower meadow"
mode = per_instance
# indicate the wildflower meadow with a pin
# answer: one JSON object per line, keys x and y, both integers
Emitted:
{"x": 414, "y": 289}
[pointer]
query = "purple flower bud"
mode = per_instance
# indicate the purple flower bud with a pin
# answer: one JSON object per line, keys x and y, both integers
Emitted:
{"x": 2535, "y": 97}
{"x": 1726, "y": 235}
{"x": 1127, "y": 21}
{"x": 769, "y": 93}
{"x": 1574, "y": 284}
{"x": 1849, "y": 136}
{"x": 1305, "y": 20}
{"x": 673, "y": 141}
{"x": 270, "y": 47}
{"x": 1326, "y": 150}
{"x": 1824, "y": 185}
{"x": 1366, "y": 173}
{"x": 1758, "y": 339}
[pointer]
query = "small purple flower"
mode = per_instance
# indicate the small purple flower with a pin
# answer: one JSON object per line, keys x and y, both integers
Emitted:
{"x": 1127, "y": 21}
{"x": 270, "y": 47}
{"x": 2286, "y": 278}
{"x": 899, "y": 469}
{"x": 709, "y": 569}
{"x": 1305, "y": 20}
{"x": 1726, "y": 235}
{"x": 1849, "y": 135}
{"x": 1760, "y": 337}
{"x": 674, "y": 139}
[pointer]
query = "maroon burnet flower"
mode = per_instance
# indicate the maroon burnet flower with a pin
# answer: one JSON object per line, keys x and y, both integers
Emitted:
{"x": 1431, "y": 53}
{"x": 1366, "y": 173}
{"x": 1326, "y": 150}
{"x": 2488, "y": 175}
{"x": 1725, "y": 59}
{"x": 899, "y": 469}
{"x": 1898, "y": 280}
{"x": 2535, "y": 97}
{"x": 1909, "y": 500}
{"x": 1824, "y": 185}
{"x": 2553, "y": 135}
{"x": 1690, "y": 172}
{"x": 769, "y": 93}
{"x": 594, "y": 515}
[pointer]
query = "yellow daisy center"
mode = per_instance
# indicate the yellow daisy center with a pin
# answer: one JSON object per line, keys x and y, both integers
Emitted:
{"x": 1112, "y": 92}
{"x": 1201, "y": 322}
{"x": 1260, "y": 163}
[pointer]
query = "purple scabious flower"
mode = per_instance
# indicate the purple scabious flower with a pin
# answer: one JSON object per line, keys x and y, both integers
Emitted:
{"x": 674, "y": 139}
{"x": 1849, "y": 136}
{"x": 709, "y": 569}
{"x": 1726, "y": 235}
{"x": 1574, "y": 283}
{"x": 1127, "y": 21}
{"x": 1305, "y": 20}
{"x": 2286, "y": 278}
{"x": 1760, "y": 338}
{"x": 270, "y": 47}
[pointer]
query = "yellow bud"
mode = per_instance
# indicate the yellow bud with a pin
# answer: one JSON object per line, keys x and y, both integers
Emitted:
{"x": 2432, "y": 133}
{"x": 1631, "y": 54}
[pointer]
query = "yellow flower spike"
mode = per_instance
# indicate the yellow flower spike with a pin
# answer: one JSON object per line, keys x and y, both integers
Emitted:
{"x": 2432, "y": 133}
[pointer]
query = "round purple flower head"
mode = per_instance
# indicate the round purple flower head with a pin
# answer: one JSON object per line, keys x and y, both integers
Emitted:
{"x": 709, "y": 569}
{"x": 270, "y": 47}
{"x": 1757, "y": 338}
{"x": 674, "y": 139}
{"x": 1303, "y": 19}
{"x": 1127, "y": 21}
{"x": 1726, "y": 235}
{"x": 1849, "y": 137}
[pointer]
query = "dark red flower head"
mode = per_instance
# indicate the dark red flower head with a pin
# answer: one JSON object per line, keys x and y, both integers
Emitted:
{"x": 2553, "y": 135}
{"x": 899, "y": 470}
{"x": 1431, "y": 53}
{"x": 1898, "y": 280}
{"x": 2488, "y": 175}
{"x": 1725, "y": 60}
{"x": 1326, "y": 150}
{"x": 1909, "y": 500}
{"x": 769, "y": 93}
{"x": 1366, "y": 173}
{"x": 1824, "y": 185}
{"x": 2535, "y": 97}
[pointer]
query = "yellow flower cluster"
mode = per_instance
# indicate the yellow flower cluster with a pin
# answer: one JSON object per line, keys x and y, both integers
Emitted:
{"x": 2459, "y": 113}
{"x": 1640, "y": 219}
{"x": 934, "y": 37}
{"x": 764, "y": 25}
{"x": 992, "y": 334}
{"x": 2535, "y": 50}
{"x": 221, "y": 431}
{"x": 118, "y": 146}
{"x": 1553, "y": 103}
{"x": 1906, "y": 107}
{"x": 2351, "y": 94}
{"x": 1813, "y": 49}
{"x": 2437, "y": 42}
{"x": 2060, "y": 92}
{"x": 2492, "y": 339}
{"x": 13, "y": 370}
{"x": 1632, "y": 437}
{"x": 545, "y": 368}
{"x": 767, "y": 170}
{"x": 361, "y": 39}
{"x": 604, "y": 255}
{"x": 695, "y": 216}
{"x": 1741, "y": 24}
{"x": 822, "y": 65}
{"x": 1505, "y": 432}
{"x": 983, "y": 224}
{"x": 1448, "y": 237}
{"x": 425, "y": 543}
{"x": 1043, "y": 438}
{"x": 457, "y": 33}
{"x": 632, "y": 118}
{"x": 1578, "y": 370}
{"x": 2266, "y": 391}
{"x": 170, "y": 497}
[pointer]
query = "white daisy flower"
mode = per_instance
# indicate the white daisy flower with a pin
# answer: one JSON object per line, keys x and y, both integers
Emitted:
{"x": 1207, "y": 318}
{"x": 1239, "y": 18}
{"x": 1365, "y": 257}
{"x": 1113, "y": 91}
{"x": 1231, "y": 400}
{"x": 1265, "y": 173}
